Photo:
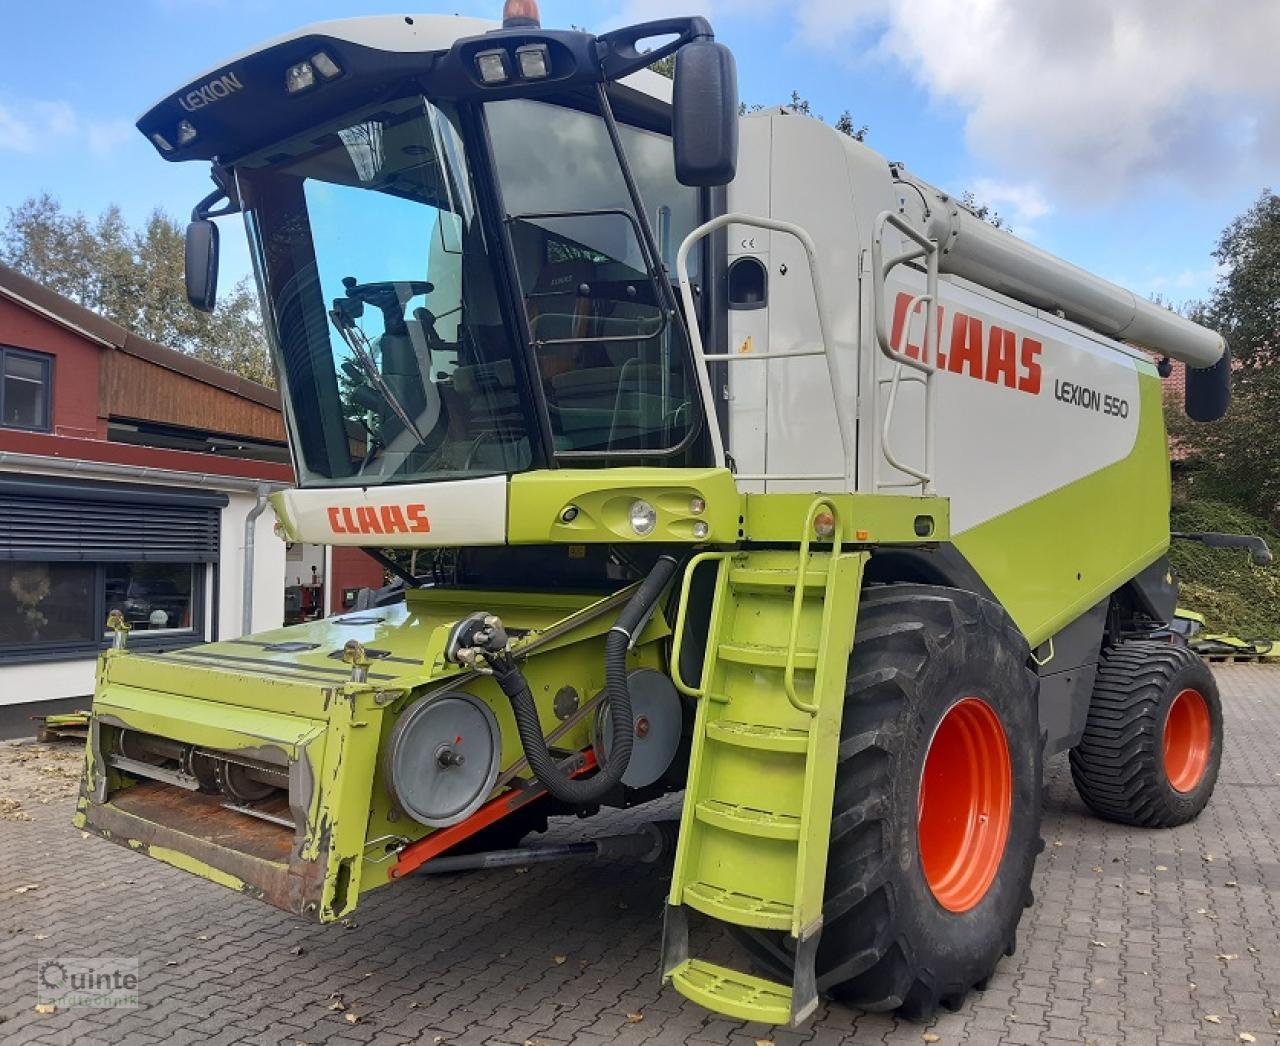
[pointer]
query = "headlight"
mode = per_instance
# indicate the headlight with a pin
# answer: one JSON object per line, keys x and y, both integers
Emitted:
{"x": 644, "y": 518}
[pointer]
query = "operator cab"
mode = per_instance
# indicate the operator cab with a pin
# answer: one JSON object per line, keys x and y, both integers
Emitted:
{"x": 465, "y": 247}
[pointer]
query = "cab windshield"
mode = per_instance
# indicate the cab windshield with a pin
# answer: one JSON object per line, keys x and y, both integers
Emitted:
{"x": 397, "y": 358}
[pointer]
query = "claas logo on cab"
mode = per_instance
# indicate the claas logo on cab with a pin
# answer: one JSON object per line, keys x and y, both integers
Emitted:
{"x": 383, "y": 519}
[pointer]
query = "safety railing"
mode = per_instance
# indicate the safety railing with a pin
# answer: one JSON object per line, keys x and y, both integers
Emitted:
{"x": 797, "y": 605}
{"x": 843, "y": 402}
{"x": 922, "y": 249}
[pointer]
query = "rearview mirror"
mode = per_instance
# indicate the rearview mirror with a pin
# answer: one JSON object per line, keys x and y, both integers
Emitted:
{"x": 202, "y": 264}
{"x": 705, "y": 114}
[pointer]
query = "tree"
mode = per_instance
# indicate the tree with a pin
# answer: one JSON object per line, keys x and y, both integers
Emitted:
{"x": 134, "y": 277}
{"x": 1235, "y": 459}
{"x": 845, "y": 124}
{"x": 984, "y": 211}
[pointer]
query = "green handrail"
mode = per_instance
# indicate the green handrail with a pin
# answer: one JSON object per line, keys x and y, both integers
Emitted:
{"x": 677, "y": 644}
{"x": 797, "y": 606}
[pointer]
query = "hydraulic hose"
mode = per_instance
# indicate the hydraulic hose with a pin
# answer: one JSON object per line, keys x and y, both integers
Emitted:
{"x": 513, "y": 683}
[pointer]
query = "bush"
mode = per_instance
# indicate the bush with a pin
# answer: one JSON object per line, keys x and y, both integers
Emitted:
{"x": 1236, "y": 597}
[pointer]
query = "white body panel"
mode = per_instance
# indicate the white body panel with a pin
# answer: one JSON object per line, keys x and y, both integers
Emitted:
{"x": 1006, "y": 441}
{"x": 459, "y": 512}
{"x": 1009, "y": 428}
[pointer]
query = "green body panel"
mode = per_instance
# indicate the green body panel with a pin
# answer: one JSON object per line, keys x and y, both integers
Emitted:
{"x": 865, "y": 519}
{"x": 299, "y": 710}
{"x": 1050, "y": 560}
{"x": 603, "y": 498}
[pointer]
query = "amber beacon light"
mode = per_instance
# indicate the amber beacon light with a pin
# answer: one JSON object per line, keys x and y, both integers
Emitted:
{"x": 520, "y": 14}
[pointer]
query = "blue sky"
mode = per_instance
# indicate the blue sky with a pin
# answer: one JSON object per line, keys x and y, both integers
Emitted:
{"x": 1123, "y": 135}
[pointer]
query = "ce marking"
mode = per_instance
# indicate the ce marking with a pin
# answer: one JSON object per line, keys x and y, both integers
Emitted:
{"x": 749, "y": 244}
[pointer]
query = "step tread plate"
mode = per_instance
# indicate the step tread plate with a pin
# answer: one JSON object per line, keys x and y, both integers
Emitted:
{"x": 740, "y": 995}
{"x": 740, "y": 909}
{"x": 759, "y": 736}
{"x": 762, "y": 656}
{"x": 747, "y": 820}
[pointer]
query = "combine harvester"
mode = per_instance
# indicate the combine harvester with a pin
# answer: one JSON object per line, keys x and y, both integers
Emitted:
{"x": 744, "y": 462}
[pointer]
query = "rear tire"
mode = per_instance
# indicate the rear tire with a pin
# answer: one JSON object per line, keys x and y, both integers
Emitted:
{"x": 1152, "y": 744}
{"x": 934, "y": 673}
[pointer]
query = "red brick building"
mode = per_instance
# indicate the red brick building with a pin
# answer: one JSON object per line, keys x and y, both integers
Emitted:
{"x": 133, "y": 477}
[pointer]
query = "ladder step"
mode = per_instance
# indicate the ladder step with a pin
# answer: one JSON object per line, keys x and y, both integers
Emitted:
{"x": 740, "y": 995}
{"x": 745, "y": 820}
{"x": 761, "y": 656}
{"x": 764, "y": 738}
{"x": 815, "y": 581}
{"x": 741, "y": 909}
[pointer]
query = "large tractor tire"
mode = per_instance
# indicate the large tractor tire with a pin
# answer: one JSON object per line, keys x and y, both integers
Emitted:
{"x": 1152, "y": 744}
{"x": 936, "y": 820}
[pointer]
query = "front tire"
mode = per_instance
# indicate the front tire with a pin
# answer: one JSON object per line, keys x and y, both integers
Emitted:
{"x": 936, "y": 821}
{"x": 1152, "y": 744}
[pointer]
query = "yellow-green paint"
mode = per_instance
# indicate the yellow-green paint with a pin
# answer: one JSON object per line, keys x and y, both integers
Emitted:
{"x": 1050, "y": 560}
{"x": 592, "y": 506}
{"x": 864, "y": 519}
{"x": 189, "y": 864}
{"x": 756, "y": 821}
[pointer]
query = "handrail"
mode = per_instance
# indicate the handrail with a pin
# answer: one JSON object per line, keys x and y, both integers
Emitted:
{"x": 682, "y": 608}
{"x": 848, "y": 438}
{"x": 797, "y": 605}
{"x": 926, "y": 366}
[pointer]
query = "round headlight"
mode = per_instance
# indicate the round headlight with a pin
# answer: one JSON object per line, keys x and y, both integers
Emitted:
{"x": 644, "y": 518}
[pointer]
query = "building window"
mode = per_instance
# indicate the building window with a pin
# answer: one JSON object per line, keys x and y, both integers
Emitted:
{"x": 154, "y": 597}
{"x": 25, "y": 382}
{"x": 56, "y": 611}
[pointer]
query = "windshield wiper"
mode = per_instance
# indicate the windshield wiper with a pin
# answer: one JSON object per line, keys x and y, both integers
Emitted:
{"x": 359, "y": 345}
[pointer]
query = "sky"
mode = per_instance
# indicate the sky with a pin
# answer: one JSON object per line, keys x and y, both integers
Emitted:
{"x": 1123, "y": 135}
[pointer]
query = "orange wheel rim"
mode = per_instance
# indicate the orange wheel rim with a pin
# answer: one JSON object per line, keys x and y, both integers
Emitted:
{"x": 965, "y": 805}
{"x": 1188, "y": 737}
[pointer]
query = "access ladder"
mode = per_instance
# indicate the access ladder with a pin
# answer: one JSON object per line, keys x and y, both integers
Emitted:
{"x": 754, "y": 832}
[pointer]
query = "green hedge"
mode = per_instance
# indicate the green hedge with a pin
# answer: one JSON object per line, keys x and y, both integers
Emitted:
{"x": 1236, "y": 597}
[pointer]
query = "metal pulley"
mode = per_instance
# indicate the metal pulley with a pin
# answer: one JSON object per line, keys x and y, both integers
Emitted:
{"x": 442, "y": 758}
{"x": 658, "y": 720}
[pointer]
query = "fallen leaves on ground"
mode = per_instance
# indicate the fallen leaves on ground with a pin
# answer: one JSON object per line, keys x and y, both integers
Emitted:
{"x": 1213, "y": 1018}
{"x": 11, "y": 810}
{"x": 931, "y": 1037}
{"x": 46, "y": 1008}
{"x": 1246, "y": 1037}
{"x": 351, "y": 1018}
{"x": 559, "y": 960}
{"x": 635, "y": 1018}
{"x": 28, "y": 888}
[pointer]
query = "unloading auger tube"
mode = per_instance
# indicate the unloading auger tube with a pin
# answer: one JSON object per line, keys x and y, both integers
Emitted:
{"x": 481, "y": 639}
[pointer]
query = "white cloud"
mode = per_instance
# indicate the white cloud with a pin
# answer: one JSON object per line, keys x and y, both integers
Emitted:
{"x": 38, "y": 126}
{"x": 1094, "y": 99}
{"x": 105, "y": 137}
{"x": 1022, "y": 204}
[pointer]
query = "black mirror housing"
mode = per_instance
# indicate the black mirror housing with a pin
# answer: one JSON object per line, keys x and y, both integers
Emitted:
{"x": 202, "y": 264}
{"x": 1208, "y": 395}
{"x": 705, "y": 114}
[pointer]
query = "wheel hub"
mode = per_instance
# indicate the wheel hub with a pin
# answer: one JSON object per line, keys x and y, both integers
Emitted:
{"x": 965, "y": 805}
{"x": 1188, "y": 735}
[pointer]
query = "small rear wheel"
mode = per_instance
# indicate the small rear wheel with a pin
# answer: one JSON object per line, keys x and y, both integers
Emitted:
{"x": 1152, "y": 744}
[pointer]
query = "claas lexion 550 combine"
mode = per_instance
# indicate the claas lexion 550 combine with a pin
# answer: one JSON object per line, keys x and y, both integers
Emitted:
{"x": 739, "y": 461}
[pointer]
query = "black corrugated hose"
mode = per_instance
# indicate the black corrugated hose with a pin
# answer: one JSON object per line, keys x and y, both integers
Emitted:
{"x": 509, "y": 677}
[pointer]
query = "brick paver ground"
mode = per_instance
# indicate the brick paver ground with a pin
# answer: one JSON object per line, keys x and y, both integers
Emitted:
{"x": 1135, "y": 937}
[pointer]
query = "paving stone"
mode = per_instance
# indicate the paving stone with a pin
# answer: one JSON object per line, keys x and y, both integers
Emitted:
{"x": 470, "y": 958}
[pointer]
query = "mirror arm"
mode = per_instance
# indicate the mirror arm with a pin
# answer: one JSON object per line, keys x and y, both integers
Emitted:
{"x": 619, "y": 56}
{"x": 226, "y": 190}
